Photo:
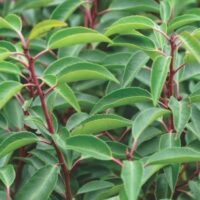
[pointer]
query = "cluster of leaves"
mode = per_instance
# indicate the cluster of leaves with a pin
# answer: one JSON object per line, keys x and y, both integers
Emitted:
{"x": 99, "y": 99}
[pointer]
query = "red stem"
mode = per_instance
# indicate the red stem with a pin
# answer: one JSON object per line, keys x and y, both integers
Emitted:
{"x": 8, "y": 193}
{"x": 49, "y": 122}
{"x": 170, "y": 82}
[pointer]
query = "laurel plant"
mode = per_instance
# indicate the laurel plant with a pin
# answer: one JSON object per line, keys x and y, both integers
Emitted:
{"x": 99, "y": 100}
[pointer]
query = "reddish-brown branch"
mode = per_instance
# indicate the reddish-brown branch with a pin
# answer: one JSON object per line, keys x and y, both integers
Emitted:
{"x": 49, "y": 122}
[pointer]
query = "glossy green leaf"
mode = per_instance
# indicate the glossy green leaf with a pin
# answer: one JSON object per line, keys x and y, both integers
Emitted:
{"x": 10, "y": 68}
{"x": 134, "y": 41}
{"x": 159, "y": 74}
{"x": 131, "y": 175}
{"x": 63, "y": 90}
{"x": 7, "y": 175}
{"x": 142, "y": 5}
{"x": 66, "y": 9}
{"x": 7, "y": 90}
{"x": 40, "y": 185}
{"x": 192, "y": 44}
{"x": 15, "y": 141}
{"x": 44, "y": 27}
{"x": 145, "y": 118}
{"x": 120, "y": 97}
{"x": 86, "y": 145}
{"x": 85, "y": 71}
{"x": 57, "y": 66}
{"x": 75, "y": 120}
{"x": 174, "y": 155}
{"x": 94, "y": 185}
{"x": 182, "y": 20}
{"x": 12, "y": 22}
{"x": 171, "y": 172}
{"x": 181, "y": 111}
{"x": 165, "y": 10}
{"x": 127, "y": 24}
{"x": 101, "y": 122}
{"x": 75, "y": 35}
{"x": 135, "y": 63}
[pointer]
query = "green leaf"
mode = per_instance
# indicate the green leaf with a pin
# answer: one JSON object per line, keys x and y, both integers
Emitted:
{"x": 171, "y": 172}
{"x": 141, "y": 5}
{"x": 100, "y": 122}
{"x": 181, "y": 111}
{"x": 7, "y": 90}
{"x": 195, "y": 97}
{"x": 85, "y": 71}
{"x": 7, "y": 175}
{"x": 135, "y": 63}
{"x": 159, "y": 73}
{"x": 127, "y": 24}
{"x": 174, "y": 155}
{"x": 75, "y": 35}
{"x": 40, "y": 185}
{"x": 44, "y": 27}
{"x": 192, "y": 44}
{"x": 4, "y": 53}
{"x": 135, "y": 41}
{"x": 12, "y": 22}
{"x": 10, "y": 68}
{"x": 63, "y": 90}
{"x": 182, "y": 21}
{"x": 165, "y": 10}
{"x": 15, "y": 141}
{"x": 94, "y": 185}
{"x": 120, "y": 97}
{"x": 86, "y": 145}
{"x": 66, "y": 9}
{"x": 132, "y": 173}
{"x": 145, "y": 118}
{"x": 57, "y": 66}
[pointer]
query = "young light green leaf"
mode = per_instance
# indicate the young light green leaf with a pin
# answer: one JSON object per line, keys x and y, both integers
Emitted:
{"x": 7, "y": 90}
{"x": 44, "y": 27}
{"x": 65, "y": 10}
{"x": 132, "y": 173}
{"x": 40, "y": 185}
{"x": 182, "y": 20}
{"x": 120, "y": 97}
{"x": 85, "y": 71}
{"x": 145, "y": 118}
{"x": 192, "y": 44}
{"x": 63, "y": 90}
{"x": 94, "y": 186}
{"x": 86, "y": 145}
{"x": 135, "y": 63}
{"x": 4, "y": 53}
{"x": 159, "y": 73}
{"x": 127, "y": 24}
{"x": 15, "y": 141}
{"x": 181, "y": 111}
{"x": 10, "y": 68}
{"x": 7, "y": 175}
{"x": 174, "y": 155}
{"x": 101, "y": 122}
{"x": 75, "y": 35}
